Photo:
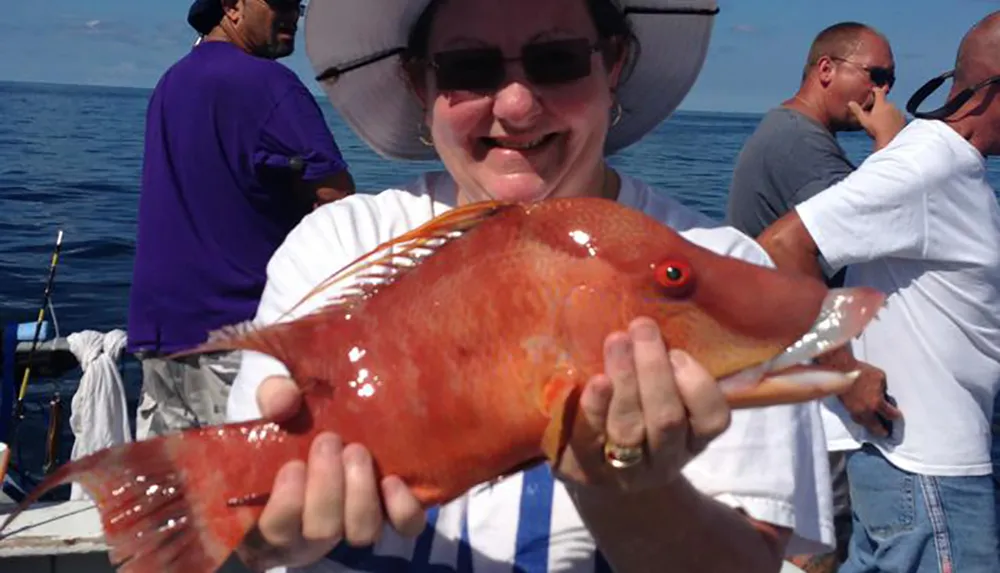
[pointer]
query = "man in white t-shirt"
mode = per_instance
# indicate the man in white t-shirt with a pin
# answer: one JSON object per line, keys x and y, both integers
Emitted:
{"x": 919, "y": 221}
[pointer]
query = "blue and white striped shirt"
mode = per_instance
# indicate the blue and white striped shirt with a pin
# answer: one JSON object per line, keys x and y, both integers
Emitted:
{"x": 509, "y": 525}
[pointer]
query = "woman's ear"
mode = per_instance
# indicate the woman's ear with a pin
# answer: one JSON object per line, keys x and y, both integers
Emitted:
{"x": 616, "y": 57}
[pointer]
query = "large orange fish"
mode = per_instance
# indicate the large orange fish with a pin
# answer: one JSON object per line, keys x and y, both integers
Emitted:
{"x": 456, "y": 354}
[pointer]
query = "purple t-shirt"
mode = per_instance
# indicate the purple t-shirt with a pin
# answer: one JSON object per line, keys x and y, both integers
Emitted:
{"x": 221, "y": 130}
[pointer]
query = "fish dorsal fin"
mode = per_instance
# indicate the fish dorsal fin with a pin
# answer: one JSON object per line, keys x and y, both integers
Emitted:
{"x": 380, "y": 267}
{"x": 395, "y": 257}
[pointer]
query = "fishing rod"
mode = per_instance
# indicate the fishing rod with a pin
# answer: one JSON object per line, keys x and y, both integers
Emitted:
{"x": 46, "y": 297}
{"x": 56, "y": 409}
{"x": 46, "y": 303}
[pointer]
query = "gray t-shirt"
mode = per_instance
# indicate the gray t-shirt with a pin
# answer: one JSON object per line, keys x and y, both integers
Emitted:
{"x": 788, "y": 159}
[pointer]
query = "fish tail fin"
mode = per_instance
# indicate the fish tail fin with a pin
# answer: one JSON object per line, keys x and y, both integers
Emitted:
{"x": 158, "y": 512}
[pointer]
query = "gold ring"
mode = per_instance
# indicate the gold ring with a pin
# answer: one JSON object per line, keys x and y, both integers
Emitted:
{"x": 621, "y": 457}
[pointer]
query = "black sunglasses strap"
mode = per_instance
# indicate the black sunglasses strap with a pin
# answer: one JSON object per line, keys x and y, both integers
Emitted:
{"x": 333, "y": 72}
{"x": 950, "y": 106}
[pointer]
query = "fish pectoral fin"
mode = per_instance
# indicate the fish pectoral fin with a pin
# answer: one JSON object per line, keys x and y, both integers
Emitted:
{"x": 579, "y": 327}
{"x": 791, "y": 386}
{"x": 560, "y": 401}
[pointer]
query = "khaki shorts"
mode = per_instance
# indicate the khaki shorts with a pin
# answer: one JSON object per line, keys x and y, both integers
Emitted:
{"x": 189, "y": 392}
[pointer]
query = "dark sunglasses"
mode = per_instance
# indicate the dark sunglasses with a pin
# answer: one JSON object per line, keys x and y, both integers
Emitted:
{"x": 881, "y": 77}
{"x": 484, "y": 69}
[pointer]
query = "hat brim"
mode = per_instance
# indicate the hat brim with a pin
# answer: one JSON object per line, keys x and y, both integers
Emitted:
{"x": 377, "y": 103}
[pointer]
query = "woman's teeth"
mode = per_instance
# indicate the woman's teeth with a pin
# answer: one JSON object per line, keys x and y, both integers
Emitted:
{"x": 520, "y": 146}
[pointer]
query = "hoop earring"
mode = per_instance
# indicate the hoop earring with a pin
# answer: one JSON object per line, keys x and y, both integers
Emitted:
{"x": 616, "y": 113}
{"x": 424, "y": 134}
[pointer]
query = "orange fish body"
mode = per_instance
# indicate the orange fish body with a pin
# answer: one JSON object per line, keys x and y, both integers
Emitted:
{"x": 455, "y": 355}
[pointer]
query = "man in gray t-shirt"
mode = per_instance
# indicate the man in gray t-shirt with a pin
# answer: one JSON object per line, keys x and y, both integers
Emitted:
{"x": 789, "y": 158}
{"x": 794, "y": 154}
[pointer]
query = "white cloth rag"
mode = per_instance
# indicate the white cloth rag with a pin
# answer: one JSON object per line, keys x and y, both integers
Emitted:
{"x": 99, "y": 417}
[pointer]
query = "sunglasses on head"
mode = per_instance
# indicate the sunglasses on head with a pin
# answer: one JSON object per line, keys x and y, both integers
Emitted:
{"x": 485, "y": 69}
{"x": 881, "y": 77}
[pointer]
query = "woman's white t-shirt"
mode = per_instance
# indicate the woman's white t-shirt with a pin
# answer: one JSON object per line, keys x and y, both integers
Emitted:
{"x": 771, "y": 463}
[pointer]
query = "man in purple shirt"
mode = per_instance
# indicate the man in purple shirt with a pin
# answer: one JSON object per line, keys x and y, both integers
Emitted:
{"x": 236, "y": 153}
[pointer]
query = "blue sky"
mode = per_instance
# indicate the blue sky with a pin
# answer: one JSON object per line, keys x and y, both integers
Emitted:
{"x": 756, "y": 55}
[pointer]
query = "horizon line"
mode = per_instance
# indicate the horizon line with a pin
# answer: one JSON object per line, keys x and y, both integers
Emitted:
{"x": 318, "y": 95}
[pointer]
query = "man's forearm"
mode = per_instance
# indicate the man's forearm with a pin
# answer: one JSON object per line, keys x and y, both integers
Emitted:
{"x": 676, "y": 526}
{"x": 790, "y": 247}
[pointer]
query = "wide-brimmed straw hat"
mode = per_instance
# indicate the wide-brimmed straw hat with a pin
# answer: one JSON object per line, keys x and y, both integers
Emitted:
{"x": 354, "y": 48}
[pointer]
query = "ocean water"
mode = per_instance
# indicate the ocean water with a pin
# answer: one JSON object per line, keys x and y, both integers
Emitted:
{"x": 70, "y": 159}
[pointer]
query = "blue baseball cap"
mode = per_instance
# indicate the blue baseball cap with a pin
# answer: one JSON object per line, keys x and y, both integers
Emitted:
{"x": 205, "y": 15}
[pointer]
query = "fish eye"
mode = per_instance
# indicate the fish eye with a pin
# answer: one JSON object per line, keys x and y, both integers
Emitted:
{"x": 675, "y": 276}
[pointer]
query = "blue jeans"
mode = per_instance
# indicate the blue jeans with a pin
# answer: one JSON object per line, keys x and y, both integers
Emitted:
{"x": 914, "y": 523}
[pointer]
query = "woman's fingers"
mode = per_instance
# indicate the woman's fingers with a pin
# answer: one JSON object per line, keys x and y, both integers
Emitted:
{"x": 708, "y": 413}
{"x": 278, "y": 398}
{"x": 322, "y": 519}
{"x": 362, "y": 508}
{"x": 334, "y": 497}
{"x": 405, "y": 513}
{"x": 280, "y": 523}
{"x": 663, "y": 410}
{"x": 595, "y": 401}
{"x": 625, "y": 425}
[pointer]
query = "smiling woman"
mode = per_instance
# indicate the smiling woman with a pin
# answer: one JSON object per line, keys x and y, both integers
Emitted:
{"x": 525, "y": 109}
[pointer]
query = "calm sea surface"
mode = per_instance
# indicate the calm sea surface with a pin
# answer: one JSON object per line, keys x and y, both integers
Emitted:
{"x": 70, "y": 158}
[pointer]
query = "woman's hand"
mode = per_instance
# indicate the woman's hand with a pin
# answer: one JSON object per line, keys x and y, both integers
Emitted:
{"x": 332, "y": 497}
{"x": 656, "y": 408}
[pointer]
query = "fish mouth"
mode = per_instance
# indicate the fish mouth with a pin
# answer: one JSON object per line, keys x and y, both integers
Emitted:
{"x": 791, "y": 376}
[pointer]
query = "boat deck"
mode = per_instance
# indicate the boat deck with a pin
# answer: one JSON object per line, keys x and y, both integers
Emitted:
{"x": 59, "y": 537}
{"x": 62, "y": 537}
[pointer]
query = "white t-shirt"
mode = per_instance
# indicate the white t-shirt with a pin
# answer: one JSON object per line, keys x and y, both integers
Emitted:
{"x": 918, "y": 221}
{"x": 772, "y": 462}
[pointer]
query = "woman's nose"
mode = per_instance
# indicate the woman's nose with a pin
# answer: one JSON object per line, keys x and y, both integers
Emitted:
{"x": 515, "y": 103}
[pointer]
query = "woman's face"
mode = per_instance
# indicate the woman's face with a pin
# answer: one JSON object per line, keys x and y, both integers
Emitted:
{"x": 518, "y": 135}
